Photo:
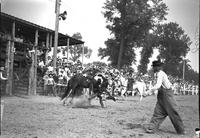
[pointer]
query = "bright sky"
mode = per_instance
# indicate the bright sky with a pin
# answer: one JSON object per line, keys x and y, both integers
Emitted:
{"x": 85, "y": 16}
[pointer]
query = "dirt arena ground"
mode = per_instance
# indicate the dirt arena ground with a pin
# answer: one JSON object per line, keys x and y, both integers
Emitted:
{"x": 46, "y": 117}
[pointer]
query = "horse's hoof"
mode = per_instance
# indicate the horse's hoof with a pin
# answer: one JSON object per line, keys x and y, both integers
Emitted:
{"x": 63, "y": 104}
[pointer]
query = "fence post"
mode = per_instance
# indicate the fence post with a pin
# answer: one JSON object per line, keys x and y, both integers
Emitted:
{"x": 2, "y": 107}
{"x": 184, "y": 89}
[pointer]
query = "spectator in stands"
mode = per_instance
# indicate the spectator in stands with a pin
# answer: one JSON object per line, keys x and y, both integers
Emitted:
{"x": 49, "y": 59}
{"x": 50, "y": 85}
{"x": 45, "y": 78}
{"x": 176, "y": 88}
{"x": 166, "y": 104}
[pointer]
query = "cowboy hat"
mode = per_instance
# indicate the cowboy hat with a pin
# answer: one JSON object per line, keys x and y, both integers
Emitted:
{"x": 157, "y": 63}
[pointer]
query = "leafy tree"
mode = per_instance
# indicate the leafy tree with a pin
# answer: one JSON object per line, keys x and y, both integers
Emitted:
{"x": 190, "y": 75}
{"x": 76, "y": 51}
{"x": 147, "y": 51}
{"x": 173, "y": 46}
{"x": 129, "y": 21}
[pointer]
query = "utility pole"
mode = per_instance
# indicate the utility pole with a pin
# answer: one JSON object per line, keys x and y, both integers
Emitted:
{"x": 183, "y": 69}
{"x": 57, "y": 11}
{"x": 184, "y": 76}
{"x": 67, "y": 50}
{"x": 82, "y": 53}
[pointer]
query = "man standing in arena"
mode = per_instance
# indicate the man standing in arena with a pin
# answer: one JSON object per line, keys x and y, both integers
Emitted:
{"x": 166, "y": 104}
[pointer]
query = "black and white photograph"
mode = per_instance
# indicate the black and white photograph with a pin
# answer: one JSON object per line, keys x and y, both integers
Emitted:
{"x": 99, "y": 69}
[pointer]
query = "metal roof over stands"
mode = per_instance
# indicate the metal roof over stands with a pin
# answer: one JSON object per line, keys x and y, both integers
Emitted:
{"x": 62, "y": 39}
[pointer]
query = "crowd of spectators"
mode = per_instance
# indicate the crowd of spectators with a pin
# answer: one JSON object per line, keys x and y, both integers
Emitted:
{"x": 66, "y": 69}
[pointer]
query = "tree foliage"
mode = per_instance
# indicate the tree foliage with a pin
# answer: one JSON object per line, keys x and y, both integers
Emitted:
{"x": 129, "y": 21}
{"x": 191, "y": 75}
{"x": 173, "y": 46}
{"x": 147, "y": 50}
{"x": 76, "y": 51}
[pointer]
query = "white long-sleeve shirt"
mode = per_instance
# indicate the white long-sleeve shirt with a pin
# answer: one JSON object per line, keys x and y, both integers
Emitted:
{"x": 162, "y": 80}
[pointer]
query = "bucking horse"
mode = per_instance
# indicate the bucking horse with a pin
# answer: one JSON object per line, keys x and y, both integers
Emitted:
{"x": 97, "y": 84}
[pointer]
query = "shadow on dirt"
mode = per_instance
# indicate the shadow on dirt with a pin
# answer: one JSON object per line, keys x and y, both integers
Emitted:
{"x": 140, "y": 126}
{"x": 129, "y": 125}
{"x": 87, "y": 107}
{"x": 133, "y": 126}
{"x": 167, "y": 131}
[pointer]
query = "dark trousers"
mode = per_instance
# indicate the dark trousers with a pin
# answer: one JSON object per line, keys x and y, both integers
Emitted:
{"x": 166, "y": 106}
{"x": 50, "y": 90}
